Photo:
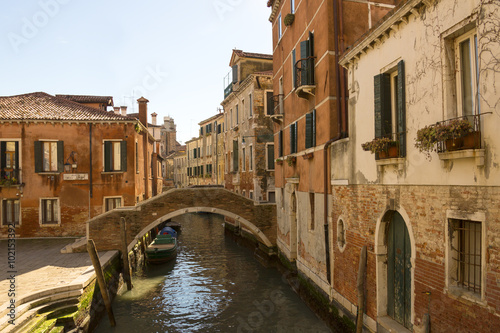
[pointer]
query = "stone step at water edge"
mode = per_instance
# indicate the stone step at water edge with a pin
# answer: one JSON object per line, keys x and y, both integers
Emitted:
{"x": 78, "y": 244}
{"x": 39, "y": 295}
{"x": 35, "y": 318}
{"x": 37, "y": 304}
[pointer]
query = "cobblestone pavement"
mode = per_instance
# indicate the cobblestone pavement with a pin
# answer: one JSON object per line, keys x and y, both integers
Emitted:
{"x": 40, "y": 265}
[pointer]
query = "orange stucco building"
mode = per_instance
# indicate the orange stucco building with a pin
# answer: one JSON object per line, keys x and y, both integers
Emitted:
{"x": 64, "y": 162}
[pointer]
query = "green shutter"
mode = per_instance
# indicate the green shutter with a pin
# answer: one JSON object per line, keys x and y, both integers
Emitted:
{"x": 235, "y": 155}
{"x": 382, "y": 92}
{"x": 3, "y": 162}
{"x": 280, "y": 147}
{"x": 310, "y": 62}
{"x": 296, "y": 136}
{"x": 235, "y": 73}
{"x": 270, "y": 157}
{"x": 60, "y": 156}
{"x": 17, "y": 156}
{"x": 309, "y": 117}
{"x": 304, "y": 53}
{"x": 123, "y": 156}
{"x": 401, "y": 109}
{"x": 38, "y": 156}
{"x": 294, "y": 73}
{"x": 201, "y": 131}
{"x": 107, "y": 155}
{"x": 314, "y": 128}
{"x": 270, "y": 103}
{"x": 292, "y": 134}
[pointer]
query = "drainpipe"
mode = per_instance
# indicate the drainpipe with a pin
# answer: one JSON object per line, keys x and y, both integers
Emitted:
{"x": 90, "y": 158}
{"x": 340, "y": 134}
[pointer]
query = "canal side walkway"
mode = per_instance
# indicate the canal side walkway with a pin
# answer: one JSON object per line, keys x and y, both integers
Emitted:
{"x": 41, "y": 271}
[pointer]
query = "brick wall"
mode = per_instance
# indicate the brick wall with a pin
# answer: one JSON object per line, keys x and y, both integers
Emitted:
{"x": 425, "y": 209}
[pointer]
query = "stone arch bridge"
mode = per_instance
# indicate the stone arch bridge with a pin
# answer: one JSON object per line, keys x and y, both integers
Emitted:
{"x": 259, "y": 219}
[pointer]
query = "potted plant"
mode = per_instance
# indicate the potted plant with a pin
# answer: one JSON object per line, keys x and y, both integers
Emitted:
{"x": 427, "y": 139}
{"x": 279, "y": 161}
{"x": 308, "y": 156}
{"x": 289, "y": 19}
{"x": 291, "y": 160}
{"x": 385, "y": 147}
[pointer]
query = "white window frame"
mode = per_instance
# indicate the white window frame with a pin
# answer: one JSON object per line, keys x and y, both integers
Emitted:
{"x": 280, "y": 28}
{"x": 119, "y": 141}
{"x": 40, "y": 212}
{"x": 110, "y": 197}
{"x": 1, "y": 212}
{"x": 472, "y": 37}
{"x": 449, "y": 267}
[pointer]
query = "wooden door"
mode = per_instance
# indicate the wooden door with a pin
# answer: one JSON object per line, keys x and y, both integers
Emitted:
{"x": 399, "y": 271}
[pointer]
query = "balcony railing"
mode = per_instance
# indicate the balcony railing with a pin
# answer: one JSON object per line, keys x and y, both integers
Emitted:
{"x": 278, "y": 104}
{"x": 228, "y": 90}
{"x": 304, "y": 72}
{"x": 10, "y": 177}
{"x": 470, "y": 138}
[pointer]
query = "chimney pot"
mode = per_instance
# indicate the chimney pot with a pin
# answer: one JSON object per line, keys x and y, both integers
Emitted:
{"x": 143, "y": 111}
{"x": 124, "y": 110}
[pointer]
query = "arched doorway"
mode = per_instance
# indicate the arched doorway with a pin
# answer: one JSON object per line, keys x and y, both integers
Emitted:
{"x": 399, "y": 271}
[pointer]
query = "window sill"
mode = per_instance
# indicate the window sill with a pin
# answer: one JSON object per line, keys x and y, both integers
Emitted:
{"x": 399, "y": 162}
{"x": 477, "y": 154}
{"x": 44, "y": 225}
{"x": 466, "y": 296}
{"x": 391, "y": 325}
{"x": 49, "y": 173}
{"x": 112, "y": 172}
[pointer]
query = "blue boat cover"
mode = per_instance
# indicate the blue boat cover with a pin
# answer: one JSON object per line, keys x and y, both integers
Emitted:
{"x": 168, "y": 230}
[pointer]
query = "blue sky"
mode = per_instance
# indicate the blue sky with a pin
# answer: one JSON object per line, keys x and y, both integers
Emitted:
{"x": 175, "y": 53}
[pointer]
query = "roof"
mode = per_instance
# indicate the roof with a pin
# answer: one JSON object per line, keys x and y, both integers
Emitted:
{"x": 243, "y": 54}
{"x": 42, "y": 106}
{"x": 108, "y": 100}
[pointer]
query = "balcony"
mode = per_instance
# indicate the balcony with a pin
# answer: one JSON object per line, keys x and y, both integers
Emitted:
{"x": 304, "y": 77}
{"x": 228, "y": 90}
{"x": 275, "y": 108}
{"x": 10, "y": 177}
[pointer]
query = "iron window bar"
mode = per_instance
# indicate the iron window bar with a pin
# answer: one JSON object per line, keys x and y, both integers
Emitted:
{"x": 457, "y": 143}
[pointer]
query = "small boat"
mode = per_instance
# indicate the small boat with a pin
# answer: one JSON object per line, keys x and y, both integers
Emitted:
{"x": 162, "y": 249}
{"x": 174, "y": 225}
{"x": 168, "y": 231}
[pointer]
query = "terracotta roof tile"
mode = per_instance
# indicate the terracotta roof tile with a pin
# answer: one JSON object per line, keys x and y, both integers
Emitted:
{"x": 108, "y": 100}
{"x": 42, "y": 106}
{"x": 243, "y": 54}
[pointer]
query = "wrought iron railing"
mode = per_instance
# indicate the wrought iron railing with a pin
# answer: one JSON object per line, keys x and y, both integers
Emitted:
{"x": 228, "y": 90}
{"x": 463, "y": 133}
{"x": 304, "y": 72}
{"x": 10, "y": 177}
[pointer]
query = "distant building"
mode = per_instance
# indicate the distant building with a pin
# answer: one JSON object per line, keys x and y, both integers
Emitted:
{"x": 63, "y": 163}
{"x": 248, "y": 133}
{"x": 180, "y": 169}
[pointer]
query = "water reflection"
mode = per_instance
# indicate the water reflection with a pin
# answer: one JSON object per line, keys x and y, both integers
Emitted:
{"x": 213, "y": 286}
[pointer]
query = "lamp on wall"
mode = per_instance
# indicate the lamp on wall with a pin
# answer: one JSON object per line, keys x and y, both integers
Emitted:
{"x": 68, "y": 166}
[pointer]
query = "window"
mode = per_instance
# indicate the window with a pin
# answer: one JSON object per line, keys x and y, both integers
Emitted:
{"x": 280, "y": 144}
{"x": 250, "y": 195}
{"x": 237, "y": 114}
{"x": 136, "y": 157}
{"x": 243, "y": 159}
{"x": 244, "y": 111}
{"x": 250, "y": 107}
{"x": 390, "y": 106}
{"x": 465, "y": 254}
{"x": 244, "y": 193}
{"x": 311, "y": 129}
{"x": 293, "y": 138}
{"x": 9, "y": 158}
{"x": 341, "y": 240}
{"x": 307, "y": 61}
{"x": 112, "y": 203}
{"x": 235, "y": 155}
{"x": 280, "y": 30}
{"x": 271, "y": 196}
{"x": 269, "y": 103}
{"x": 270, "y": 156}
{"x": 312, "y": 209}
{"x": 292, "y": 6}
{"x": 115, "y": 156}
{"x": 231, "y": 118}
{"x": 49, "y": 156}
{"x": 251, "y": 158}
{"x": 11, "y": 211}
{"x": 467, "y": 69}
{"x": 49, "y": 211}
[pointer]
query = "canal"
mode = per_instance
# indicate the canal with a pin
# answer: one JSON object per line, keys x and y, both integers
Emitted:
{"x": 214, "y": 285}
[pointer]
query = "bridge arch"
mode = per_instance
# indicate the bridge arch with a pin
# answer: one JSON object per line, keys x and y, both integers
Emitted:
{"x": 258, "y": 218}
{"x": 249, "y": 225}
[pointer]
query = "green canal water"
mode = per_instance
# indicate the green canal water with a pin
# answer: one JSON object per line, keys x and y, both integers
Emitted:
{"x": 214, "y": 285}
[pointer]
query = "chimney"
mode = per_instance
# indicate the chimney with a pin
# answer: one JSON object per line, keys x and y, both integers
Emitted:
{"x": 143, "y": 111}
{"x": 116, "y": 110}
{"x": 153, "y": 118}
{"x": 124, "y": 110}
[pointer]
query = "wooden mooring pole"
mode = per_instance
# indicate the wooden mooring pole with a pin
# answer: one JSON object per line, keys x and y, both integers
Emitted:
{"x": 100, "y": 280}
{"x": 126, "y": 265}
